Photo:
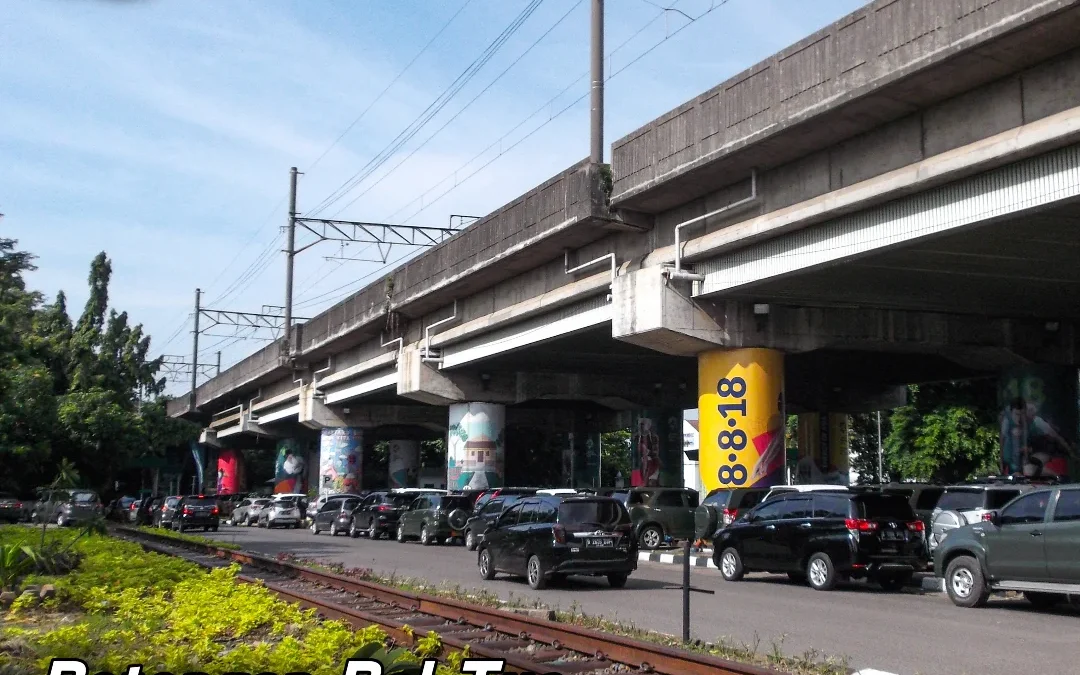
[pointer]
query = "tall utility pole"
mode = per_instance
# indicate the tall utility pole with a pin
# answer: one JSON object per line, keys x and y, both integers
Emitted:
{"x": 880, "y": 452}
{"x": 219, "y": 363}
{"x": 290, "y": 253}
{"x": 195, "y": 346}
{"x": 596, "y": 138}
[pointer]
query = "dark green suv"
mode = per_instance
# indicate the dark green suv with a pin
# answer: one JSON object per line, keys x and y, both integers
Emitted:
{"x": 1030, "y": 546}
{"x": 659, "y": 513}
{"x": 434, "y": 519}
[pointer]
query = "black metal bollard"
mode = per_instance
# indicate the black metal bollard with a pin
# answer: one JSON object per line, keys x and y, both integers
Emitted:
{"x": 686, "y": 592}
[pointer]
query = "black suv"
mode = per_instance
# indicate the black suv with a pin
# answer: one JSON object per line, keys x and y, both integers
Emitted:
{"x": 196, "y": 511}
{"x": 722, "y": 507}
{"x": 379, "y": 512}
{"x": 823, "y": 536}
{"x": 550, "y": 537}
{"x": 1030, "y": 545}
{"x": 482, "y": 518}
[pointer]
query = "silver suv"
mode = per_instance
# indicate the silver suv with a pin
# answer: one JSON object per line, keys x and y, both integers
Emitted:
{"x": 66, "y": 507}
{"x": 962, "y": 505}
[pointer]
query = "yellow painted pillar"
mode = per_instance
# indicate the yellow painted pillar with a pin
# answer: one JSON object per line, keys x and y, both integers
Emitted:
{"x": 741, "y": 410}
{"x": 823, "y": 449}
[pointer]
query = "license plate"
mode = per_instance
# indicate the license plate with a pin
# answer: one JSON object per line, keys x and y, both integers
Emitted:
{"x": 892, "y": 536}
{"x": 600, "y": 543}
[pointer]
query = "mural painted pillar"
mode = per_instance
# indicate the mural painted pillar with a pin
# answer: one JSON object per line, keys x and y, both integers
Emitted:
{"x": 1038, "y": 421}
{"x": 340, "y": 455}
{"x": 475, "y": 448}
{"x": 656, "y": 449}
{"x": 290, "y": 474}
{"x": 823, "y": 450}
{"x": 230, "y": 471}
{"x": 403, "y": 464}
{"x": 741, "y": 418}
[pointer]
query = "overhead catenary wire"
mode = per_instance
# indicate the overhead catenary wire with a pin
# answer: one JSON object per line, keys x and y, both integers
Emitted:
{"x": 430, "y": 112}
{"x": 352, "y": 284}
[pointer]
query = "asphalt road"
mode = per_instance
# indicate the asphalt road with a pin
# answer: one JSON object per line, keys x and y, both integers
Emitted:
{"x": 907, "y": 633}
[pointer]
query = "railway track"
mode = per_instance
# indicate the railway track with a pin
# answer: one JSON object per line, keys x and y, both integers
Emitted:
{"x": 527, "y": 644}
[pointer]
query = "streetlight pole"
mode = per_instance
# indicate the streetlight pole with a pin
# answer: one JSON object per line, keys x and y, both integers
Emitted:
{"x": 290, "y": 253}
{"x": 195, "y": 348}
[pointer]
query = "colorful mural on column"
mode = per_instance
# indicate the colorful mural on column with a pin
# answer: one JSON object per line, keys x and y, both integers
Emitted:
{"x": 475, "y": 453}
{"x": 823, "y": 449}
{"x": 230, "y": 471}
{"x": 340, "y": 453}
{"x": 290, "y": 472}
{"x": 1038, "y": 418}
{"x": 404, "y": 464}
{"x": 656, "y": 449}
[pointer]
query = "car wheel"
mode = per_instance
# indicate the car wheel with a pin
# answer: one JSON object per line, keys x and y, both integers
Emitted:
{"x": 372, "y": 530}
{"x": 535, "y": 574}
{"x": 820, "y": 572}
{"x": 893, "y": 582}
{"x": 487, "y": 570}
{"x": 400, "y": 534}
{"x": 60, "y": 520}
{"x": 651, "y": 537}
{"x": 617, "y": 580}
{"x": 180, "y": 528}
{"x": 353, "y": 532}
{"x": 425, "y": 537}
{"x": 333, "y": 529}
{"x": 965, "y": 584}
{"x": 470, "y": 541}
{"x": 213, "y": 529}
{"x": 731, "y": 567}
{"x": 314, "y": 527}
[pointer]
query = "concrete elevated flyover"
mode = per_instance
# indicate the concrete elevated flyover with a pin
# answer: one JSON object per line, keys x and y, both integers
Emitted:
{"x": 892, "y": 200}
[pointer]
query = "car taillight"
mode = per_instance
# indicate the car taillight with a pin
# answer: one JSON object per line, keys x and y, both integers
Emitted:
{"x": 187, "y": 512}
{"x": 164, "y": 509}
{"x": 916, "y": 526}
{"x": 133, "y": 507}
{"x": 729, "y": 515}
{"x": 560, "y": 534}
{"x": 859, "y": 525}
{"x": 18, "y": 505}
{"x": 988, "y": 517}
{"x": 214, "y": 511}
{"x": 383, "y": 508}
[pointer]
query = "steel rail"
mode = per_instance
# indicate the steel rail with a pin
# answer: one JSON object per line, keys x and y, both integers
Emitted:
{"x": 594, "y": 650}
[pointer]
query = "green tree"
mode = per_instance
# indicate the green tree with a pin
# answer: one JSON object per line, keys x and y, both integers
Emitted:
{"x": 946, "y": 432}
{"x": 615, "y": 457}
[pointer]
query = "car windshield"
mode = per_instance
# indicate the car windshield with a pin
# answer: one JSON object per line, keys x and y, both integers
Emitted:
{"x": 260, "y": 502}
{"x": 286, "y": 502}
{"x": 171, "y": 501}
{"x": 451, "y": 503}
{"x": 400, "y": 501}
{"x": 928, "y": 499}
{"x": 960, "y": 500}
{"x": 604, "y": 513}
{"x": 83, "y": 497}
{"x": 200, "y": 501}
{"x": 884, "y": 506}
{"x": 717, "y": 498}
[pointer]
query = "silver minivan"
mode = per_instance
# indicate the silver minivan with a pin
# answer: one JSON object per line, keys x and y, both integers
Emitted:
{"x": 67, "y": 507}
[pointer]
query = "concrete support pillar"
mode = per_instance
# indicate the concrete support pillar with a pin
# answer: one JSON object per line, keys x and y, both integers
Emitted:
{"x": 230, "y": 472}
{"x": 823, "y": 450}
{"x": 741, "y": 418}
{"x": 403, "y": 464}
{"x": 475, "y": 448}
{"x": 291, "y": 468}
{"x": 1038, "y": 418}
{"x": 584, "y": 442}
{"x": 340, "y": 460}
{"x": 656, "y": 448}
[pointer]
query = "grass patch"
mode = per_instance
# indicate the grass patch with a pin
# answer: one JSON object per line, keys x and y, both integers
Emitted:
{"x": 811, "y": 662}
{"x": 123, "y": 605}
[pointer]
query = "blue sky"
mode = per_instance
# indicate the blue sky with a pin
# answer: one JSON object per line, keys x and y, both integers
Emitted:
{"x": 162, "y": 131}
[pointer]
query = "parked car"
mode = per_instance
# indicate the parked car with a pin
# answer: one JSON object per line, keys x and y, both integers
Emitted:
{"x": 722, "y": 506}
{"x": 482, "y": 518}
{"x": 659, "y": 513}
{"x": 434, "y": 519}
{"x": 119, "y": 509}
{"x": 378, "y": 513}
{"x": 228, "y": 503}
{"x": 316, "y": 504}
{"x": 491, "y": 493}
{"x": 148, "y": 509}
{"x": 247, "y": 511}
{"x": 282, "y": 511}
{"x": 824, "y": 536}
{"x": 336, "y": 517}
{"x": 133, "y": 510}
{"x": 962, "y": 505}
{"x": 11, "y": 508}
{"x": 551, "y": 537}
{"x": 65, "y": 507}
{"x": 194, "y": 511}
{"x": 1030, "y": 546}
{"x": 922, "y": 497}
{"x": 168, "y": 511}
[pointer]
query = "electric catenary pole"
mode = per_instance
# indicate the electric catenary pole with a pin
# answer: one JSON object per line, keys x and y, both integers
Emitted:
{"x": 596, "y": 137}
